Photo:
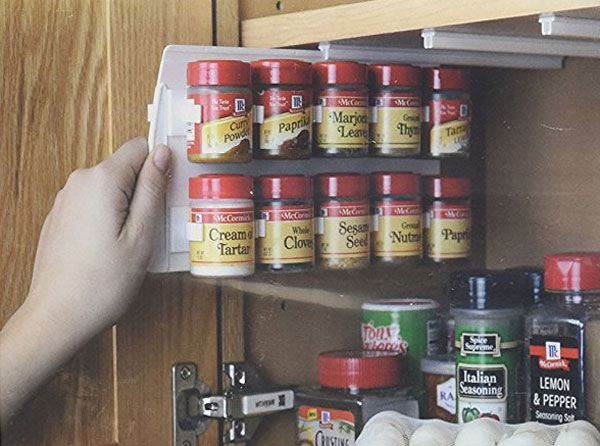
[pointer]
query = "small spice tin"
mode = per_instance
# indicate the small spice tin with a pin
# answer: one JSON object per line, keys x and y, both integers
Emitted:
{"x": 284, "y": 215}
{"x": 440, "y": 387}
{"x": 222, "y": 88}
{"x": 342, "y": 222}
{"x": 397, "y": 217}
{"x": 395, "y": 98}
{"x": 341, "y": 109}
{"x": 221, "y": 226}
{"x": 448, "y": 112}
{"x": 283, "y": 104}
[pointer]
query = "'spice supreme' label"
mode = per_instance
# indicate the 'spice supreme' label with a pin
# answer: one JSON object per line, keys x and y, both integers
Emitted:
{"x": 449, "y": 126}
{"x": 226, "y": 124}
{"x": 345, "y": 230}
{"x": 320, "y": 426}
{"x": 287, "y": 119}
{"x": 288, "y": 235}
{"x": 480, "y": 344}
{"x": 482, "y": 392}
{"x": 344, "y": 122}
{"x": 227, "y": 237}
{"x": 399, "y": 230}
{"x": 557, "y": 395}
{"x": 448, "y": 230}
{"x": 397, "y": 122}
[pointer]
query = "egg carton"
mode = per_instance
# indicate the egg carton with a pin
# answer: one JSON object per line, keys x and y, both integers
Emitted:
{"x": 394, "y": 429}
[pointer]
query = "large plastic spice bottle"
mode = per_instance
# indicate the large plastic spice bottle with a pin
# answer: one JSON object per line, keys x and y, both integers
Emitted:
{"x": 563, "y": 376}
{"x": 341, "y": 109}
{"x": 222, "y": 89}
{"x": 283, "y": 100}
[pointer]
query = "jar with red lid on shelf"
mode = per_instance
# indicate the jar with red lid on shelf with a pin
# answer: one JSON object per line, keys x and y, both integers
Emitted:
{"x": 342, "y": 221}
{"x": 448, "y": 219}
{"x": 284, "y": 216}
{"x": 224, "y": 133}
{"x": 221, "y": 226}
{"x": 395, "y": 100}
{"x": 396, "y": 218}
{"x": 354, "y": 386}
{"x": 341, "y": 109}
{"x": 283, "y": 105}
{"x": 447, "y": 117}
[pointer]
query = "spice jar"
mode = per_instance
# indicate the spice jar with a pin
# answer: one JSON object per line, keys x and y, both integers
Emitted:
{"x": 531, "y": 280}
{"x": 488, "y": 329}
{"x": 341, "y": 112}
{"x": 397, "y": 217}
{"x": 284, "y": 213}
{"x": 221, "y": 226}
{"x": 222, "y": 89}
{"x": 355, "y": 386}
{"x": 563, "y": 376}
{"x": 283, "y": 103}
{"x": 342, "y": 223}
{"x": 440, "y": 387}
{"x": 395, "y": 99}
{"x": 447, "y": 112}
{"x": 448, "y": 219}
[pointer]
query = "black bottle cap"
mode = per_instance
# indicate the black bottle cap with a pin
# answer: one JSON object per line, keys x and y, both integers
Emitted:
{"x": 484, "y": 290}
{"x": 531, "y": 281}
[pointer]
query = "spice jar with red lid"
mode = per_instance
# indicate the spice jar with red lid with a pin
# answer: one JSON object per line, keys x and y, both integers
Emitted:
{"x": 341, "y": 109}
{"x": 447, "y": 120}
{"x": 354, "y": 386}
{"x": 395, "y": 99}
{"x": 224, "y": 133}
{"x": 284, "y": 217}
{"x": 342, "y": 221}
{"x": 448, "y": 219}
{"x": 283, "y": 104}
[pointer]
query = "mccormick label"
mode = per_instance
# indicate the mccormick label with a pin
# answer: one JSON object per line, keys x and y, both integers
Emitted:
{"x": 344, "y": 229}
{"x": 319, "y": 426}
{"x": 227, "y": 237}
{"x": 285, "y": 235}
{"x": 557, "y": 395}
{"x": 446, "y": 396}
{"x": 449, "y": 126}
{"x": 287, "y": 119}
{"x": 397, "y": 121}
{"x": 482, "y": 392}
{"x": 448, "y": 231}
{"x": 344, "y": 120}
{"x": 398, "y": 229}
{"x": 226, "y": 124}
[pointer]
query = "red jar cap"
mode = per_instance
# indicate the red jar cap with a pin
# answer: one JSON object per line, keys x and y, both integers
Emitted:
{"x": 220, "y": 186}
{"x": 395, "y": 183}
{"x": 361, "y": 369}
{"x": 341, "y": 72}
{"x": 392, "y": 75}
{"x": 218, "y": 72}
{"x": 341, "y": 185}
{"x": 281, "y": 72}
{"x": 448, "y": 187}
{"x": 572, "y": 272}
{"x": 284, "y": 186}
{"x": 447, "y": 79}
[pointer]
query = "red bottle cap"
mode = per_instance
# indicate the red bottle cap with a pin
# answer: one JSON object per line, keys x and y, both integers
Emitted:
{"x": 284, "y": 186}
{"x": 395, "y": 183}
{"x": 347, "y": 185}
{"x": 341, "y": 73}
{"x": 447, "y": 79}
{"x": 448, "y": 187}
{"x": 218, "y": 72}
{"x": 392, "y": 75}
{"x": 361, "y": 369}
{"x": 572, "y": 272}
{"x": 281, "y": 72}
{"x": 209, "y": 187}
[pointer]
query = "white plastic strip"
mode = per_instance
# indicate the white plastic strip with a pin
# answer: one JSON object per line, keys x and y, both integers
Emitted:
{"x": 553, "y": 25}
{"x": 194, "y": 231}
{"x": 258, "y": 114}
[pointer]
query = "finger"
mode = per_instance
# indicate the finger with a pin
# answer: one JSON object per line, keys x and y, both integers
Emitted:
{"x": 132, "y": 154}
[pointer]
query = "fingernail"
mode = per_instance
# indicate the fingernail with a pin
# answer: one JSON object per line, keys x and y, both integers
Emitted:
{"x": 162, "y": 158}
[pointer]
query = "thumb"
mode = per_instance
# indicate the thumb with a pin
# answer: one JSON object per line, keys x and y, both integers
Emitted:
{"x": 148, "y": 197}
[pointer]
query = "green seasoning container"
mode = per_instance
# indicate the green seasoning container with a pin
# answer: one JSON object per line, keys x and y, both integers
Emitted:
{"x": 488, "y": 347}
{"x": 411, "y": 327}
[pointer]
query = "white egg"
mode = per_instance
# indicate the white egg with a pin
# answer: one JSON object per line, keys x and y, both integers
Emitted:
{"x": 525, "y": 439}
{"x": 433, "y": 434}
{"x": 481, "y": 432}
{"x": 578, "y": 433}
{"x": 545, "y": 432}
